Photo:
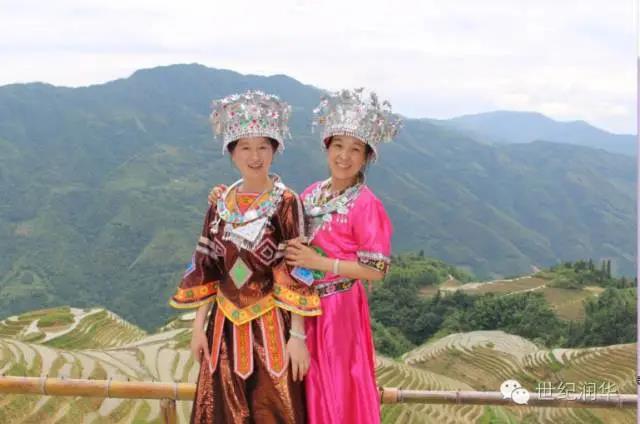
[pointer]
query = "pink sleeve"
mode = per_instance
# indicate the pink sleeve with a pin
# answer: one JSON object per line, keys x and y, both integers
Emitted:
{"x": 372, "y": 231}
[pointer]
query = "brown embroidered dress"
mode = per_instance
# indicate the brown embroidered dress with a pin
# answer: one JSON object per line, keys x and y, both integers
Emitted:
{"x": 238, "y": 266}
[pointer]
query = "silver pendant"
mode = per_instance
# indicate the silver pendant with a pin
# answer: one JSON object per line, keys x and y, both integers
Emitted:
{"x": 251, "y": 215}
{"x": 214, "y": 226}
{"x": 250, "y": 232}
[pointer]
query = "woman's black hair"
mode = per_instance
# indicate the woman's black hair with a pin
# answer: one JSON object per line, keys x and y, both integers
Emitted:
{"x": 231, "y": 146}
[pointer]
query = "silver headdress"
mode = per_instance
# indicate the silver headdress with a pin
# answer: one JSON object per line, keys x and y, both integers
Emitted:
{"x": 353, "y": 113}
{"x": 251, "y": 114}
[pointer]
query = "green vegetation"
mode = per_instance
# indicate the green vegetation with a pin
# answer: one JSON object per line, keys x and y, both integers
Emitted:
{"x": 390, "y": 341}
{"x": 102, "y": 191}
{"x": 495, "y": 415}
{"x": 525, "y": 314}
{"x": 424, "y": 271}
{"x": 576, "y": 275}
{"x": 398, "y": 309}
{"x": 55, "y": 319}
{"x": 396, "y": 306}
{"x": 610, "y": 319}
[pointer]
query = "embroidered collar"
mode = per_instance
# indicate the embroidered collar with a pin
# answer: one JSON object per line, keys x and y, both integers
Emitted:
{"x": 320, "y": 206}
{"x": 264, "y": 205}
{"x": 320, "y": 202}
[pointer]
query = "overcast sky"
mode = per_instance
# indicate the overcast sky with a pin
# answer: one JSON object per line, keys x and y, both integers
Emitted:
{"x": 568, "y": 59}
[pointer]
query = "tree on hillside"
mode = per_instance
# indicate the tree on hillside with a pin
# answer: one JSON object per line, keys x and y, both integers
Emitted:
{"x": 525, "y": 314}
{"x": 610, "y": 319}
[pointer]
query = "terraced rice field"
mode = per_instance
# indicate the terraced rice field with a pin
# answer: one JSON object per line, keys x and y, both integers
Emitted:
{"x": 94, "y": 328}
{"x": 469, "y": 361}
{"x": 151, "y": 358}
{"x": 484, "y": 359}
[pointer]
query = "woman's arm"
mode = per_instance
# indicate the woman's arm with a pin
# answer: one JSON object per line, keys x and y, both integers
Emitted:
{"x": 297, "y": 348}
{"x": 298, "y": 254}
{"x": 199, "y": 342}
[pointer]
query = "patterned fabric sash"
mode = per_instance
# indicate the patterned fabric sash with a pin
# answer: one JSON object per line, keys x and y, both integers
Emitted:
{"x": 243, "y": 350}
{"x": 272, "y": 329}
{"x": 218, "y": 329}
{"x": 333, "y": 287}
{"x": 273, "y": 339}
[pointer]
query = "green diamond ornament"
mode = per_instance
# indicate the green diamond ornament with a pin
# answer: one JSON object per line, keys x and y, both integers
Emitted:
{"x": 240, "y": 273}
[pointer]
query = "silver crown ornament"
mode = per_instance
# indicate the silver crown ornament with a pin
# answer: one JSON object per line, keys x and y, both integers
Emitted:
{"x": 359, "y": 114}
{"x": 250, "y": 114}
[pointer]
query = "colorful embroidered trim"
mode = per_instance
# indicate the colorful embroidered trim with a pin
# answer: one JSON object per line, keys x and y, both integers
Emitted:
{"x": 296, "y": 302}
{"x": 243, "y": 350}
{"x": 213, "y": 249}
{"x": 333, "y": 287}
{"x": 245, "y": 200}
{"x": 374, "y": 260}
{"x": 264, "y": 206}
{"x": 192, "y": 305}
{"x": 273, "y": 339}
{"x": 288, "y": 299}
{"x": 241, "y": 316}
{"x": 218, "y": 329}
{"x": 193, "y": 297}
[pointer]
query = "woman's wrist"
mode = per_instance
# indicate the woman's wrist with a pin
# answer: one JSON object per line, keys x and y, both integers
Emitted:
{"x": 297, "y": 334}
{"x": 326, "y": 265}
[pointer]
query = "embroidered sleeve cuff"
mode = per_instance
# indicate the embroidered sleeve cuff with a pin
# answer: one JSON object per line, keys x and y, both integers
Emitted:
{"x": 194, "y": 297}
{"x": 292, "y": 295}
{"x": 302, "y": 304}
{"x": 375, "y": 260}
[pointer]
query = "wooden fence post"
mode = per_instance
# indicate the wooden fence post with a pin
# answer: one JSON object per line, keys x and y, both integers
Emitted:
{"x": 168, "y": 409}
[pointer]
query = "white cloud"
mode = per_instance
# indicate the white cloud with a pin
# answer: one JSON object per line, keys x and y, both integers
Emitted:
{"x": 570, "y": 59}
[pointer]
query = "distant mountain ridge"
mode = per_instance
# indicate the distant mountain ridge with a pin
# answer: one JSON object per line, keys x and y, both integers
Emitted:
{"x": 523, "y": 127}
{"x": 103, "y": 188}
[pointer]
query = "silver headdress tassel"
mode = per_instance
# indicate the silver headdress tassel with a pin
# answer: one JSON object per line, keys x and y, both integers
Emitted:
{"x": 251, "y": 114}
{"x": 360, "y": 115}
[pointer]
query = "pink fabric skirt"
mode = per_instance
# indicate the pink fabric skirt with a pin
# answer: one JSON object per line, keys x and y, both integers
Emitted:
{"x": 341, "y": 384}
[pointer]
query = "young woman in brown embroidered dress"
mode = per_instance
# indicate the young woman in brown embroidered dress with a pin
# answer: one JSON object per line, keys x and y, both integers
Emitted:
{"x": 256, "y": 326}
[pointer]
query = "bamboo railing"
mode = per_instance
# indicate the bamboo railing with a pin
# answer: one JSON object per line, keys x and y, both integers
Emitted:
{"x": 168, "y": 393}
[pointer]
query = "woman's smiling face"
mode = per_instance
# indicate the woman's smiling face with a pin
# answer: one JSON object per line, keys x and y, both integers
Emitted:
{"x": 346, "y": 156}
{"x": 253, "y": 156}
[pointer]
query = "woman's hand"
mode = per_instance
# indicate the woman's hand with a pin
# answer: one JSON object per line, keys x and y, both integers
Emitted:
{"x": 299, "y": 254}
{"x": 298, "y": 354}
{"x": 200, "y": 346}
{"x": 215, "y": 193}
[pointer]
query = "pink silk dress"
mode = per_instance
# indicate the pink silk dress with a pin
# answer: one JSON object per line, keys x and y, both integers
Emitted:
{"x": 341, "y": 384}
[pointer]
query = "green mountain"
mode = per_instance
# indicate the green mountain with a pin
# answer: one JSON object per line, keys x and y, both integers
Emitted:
{"x": 522, "y": 127}
{"x": 103, "y": 188}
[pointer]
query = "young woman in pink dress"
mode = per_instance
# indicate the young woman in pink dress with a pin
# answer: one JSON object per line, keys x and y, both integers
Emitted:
{"x": 349, "y": 234}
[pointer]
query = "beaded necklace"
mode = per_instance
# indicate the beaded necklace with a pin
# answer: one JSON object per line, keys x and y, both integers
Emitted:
{"x": 321, "y": 205}
{"x": 262, "y": 208}
{"x": 245, "y": 230}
